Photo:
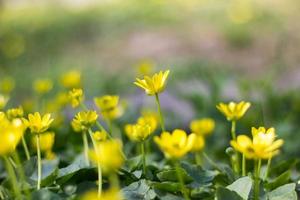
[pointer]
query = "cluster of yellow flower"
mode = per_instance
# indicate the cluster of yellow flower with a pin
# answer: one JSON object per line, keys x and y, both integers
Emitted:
{"x": 107, "y": 151}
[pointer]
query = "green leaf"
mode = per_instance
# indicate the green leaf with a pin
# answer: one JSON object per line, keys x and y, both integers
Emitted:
{"x": 284, "y": 166}
{"x": 166, "y": 186}
{"x": 49, "y": 172}
{"x": 167, "y": 196}
{"x": 45, "y": 194}
{"x": 139, "y": 190}
{"x": 133, "y": 164}
{"x": 202, "y": 192}
{"x": 278, "y": 181}
{"x": 285, "y": 192}
{"x": 199, "y": 175}
{"x": 170, "y": 175}
{"x": 242, "y": 186}
{"x": 64, "y": 174}
{"x": 226, "y": 194}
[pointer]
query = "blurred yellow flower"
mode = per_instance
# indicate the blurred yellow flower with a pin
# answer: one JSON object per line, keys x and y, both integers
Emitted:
{"x": 71, "y": 79}
{"x": 240, "y": 11}
{"x": 150, "y": 120}
{"x": 145, "y": 67}
{"x": 109, "y": 155}
{"x": 203, "y": 126}
{"x": 233, "y": 111}
{"x": 177, "y": 144}
{"x": 11, "y": 134}
{"x": 46, "y": 141}
{"x": 15, "y": 112}
{"x": 42, "y": 86}
{"x": 7, "y": 84}
{"x": 111, "y": 194}
{"x": 84, "y": 120}
{"x": 155, "y": 84}
{"x": 263, "y": 145}
{"x": 198, "y": 144}
{"x": 50, "y": 155}
{"x": 62, "y": 99}
{"x": 109, "y": 106}
{"x": 137, "y": 132}
{"x": 76, "y": 97}
{"x": 37, "y": 123}
{"x": 100, "y": 136}
{"x": 3, "y": 101}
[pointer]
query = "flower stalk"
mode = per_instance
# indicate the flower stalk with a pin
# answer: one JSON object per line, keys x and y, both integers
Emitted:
{"x": 39, "y": 161}
{"x": 181, "y": 181}
{"x": 244, "y": 165}
{"x": 27, "y": 154}
{"x": 161, "y": 118}
{"x": 237, "y": 156}
{"x": 268, "y": 168}
{"x": 85, "y": 148}
{"x": 144, "y": 158}
{"x": 256, "y": 179}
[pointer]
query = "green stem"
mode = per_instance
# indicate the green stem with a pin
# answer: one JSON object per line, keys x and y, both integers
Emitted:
{"x": 39, "y": 161}
{"x": 98, "y": 124}
{"x": 85, "y": 148}
{"x": 244, "y": 165}
{"x": 13, "y": 178}
{"x": 181, "y": 182}
{"x": 98, "y": 163}
{"x": 211, "y": 162}
{"x": 21, "y": 173}
{"x": 268, "y": 168}
{"x": 114, "y": 180}
{"x": 256, "y": 179}
{"x": 25, "y": 148}
{"x": 161, "y": 118}
{"x": 237, "y": 156}
{"x": 144, "y": 158}
{"x": 198, "y": 158}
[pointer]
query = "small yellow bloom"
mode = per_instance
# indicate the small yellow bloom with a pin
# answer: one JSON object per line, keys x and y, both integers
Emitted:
{"x": 150, "y": 120}
{"x": 111, "y": 194}
{"x": 15, "y": 112}
{"x": 46, "y": 141}
{"x": 109, "y": 106}
{"x": 100, "y": 136}
{"x": 50, "y": 155}
{"x": 62, "y": 99}
{"x": 37, "y": 123}
{"x": 7, "y": 85}
{"x": 233, "y": 111}
{"x": 109, "y": 155}
{"x": 11, "y": 133}
{"x": 198, "y": 144}
{"x": 84, "y": 120}
{"x": 42, "y": 86}
{"x": 155, "y": 84}
{"x": 263, "y": 145}
{"x": 145, "y": 67}
{"x": 137, "y": 132}
{"x": 177, "y": 144}
{"x": 71, "y": 79}
{"x": 3, "y": 101}
{"x": 76, "y": 97}
{"x": 203, "y": 126}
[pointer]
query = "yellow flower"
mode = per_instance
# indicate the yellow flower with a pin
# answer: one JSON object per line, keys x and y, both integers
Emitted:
{"x": 100, "y": 136}
{"x": 71, "y": 79}
{"x": 7, "y": 85}
{"x": 108, "y": 106}
{"x": 198, "y": 144}
{"x": 203, "y": 126}
{"x": 177, "y": 144}
{"x": 145, "y": 67}
{"x": 150, "y": 120}
{"x": 137, "y": 132}
{"x": 42, "y": 86}
{"x": 244, "y": 145}
{"x": 84, "y": 120}
{"x": 111, "y": 194}
{"x": 109, "y": 155}
{"x": 233, "y": 111}
{"x": 37, "y": 123}
{"x": 50, "y": 155}
{"x": 46, "y": 141}
{"x": 263, "y": 145}
{"x": 76, "y": 97}
{"x": 3, "y": 101}
{"x": 155, "y": 84}
{"x": 62, "y": 99}
{"x": 10, "y": 134}
{"x": 15, "y": 112}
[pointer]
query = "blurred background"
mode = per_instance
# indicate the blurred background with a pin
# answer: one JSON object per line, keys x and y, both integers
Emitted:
{"x": 217, "y": 50}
